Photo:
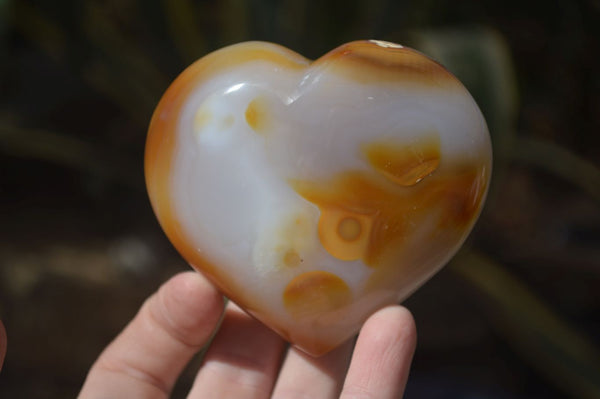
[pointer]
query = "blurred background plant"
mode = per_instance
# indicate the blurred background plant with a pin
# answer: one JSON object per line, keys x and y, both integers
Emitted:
{"x": 515, "y": 315}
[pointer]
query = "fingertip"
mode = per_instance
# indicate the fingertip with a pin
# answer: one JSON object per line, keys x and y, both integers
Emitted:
{"x": 392, "y": 324}
{"x": 243, "y": 359}
{"x": 382, "y": 356}
{"x": 188, "y": 303}
{"x": 147, "y": 357}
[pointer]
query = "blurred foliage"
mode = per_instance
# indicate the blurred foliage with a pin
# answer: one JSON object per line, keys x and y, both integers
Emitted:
{"x": 80, "y": 80}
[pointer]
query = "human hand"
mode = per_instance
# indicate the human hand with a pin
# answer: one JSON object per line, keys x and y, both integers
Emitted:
{"x": 245, "y": 359}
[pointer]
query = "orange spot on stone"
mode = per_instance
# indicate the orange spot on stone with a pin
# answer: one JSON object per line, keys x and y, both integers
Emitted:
{"x": 345, "y": 235}
{"x": 446, "y": 202}
{"x": 291, "y": 258}
{"x": 349, "y": 229}
{"x": 256, "y": 115}
{"x": 407, "y": 164}
{"x": 201, "y": 118}
{"x": 314, "y": 293}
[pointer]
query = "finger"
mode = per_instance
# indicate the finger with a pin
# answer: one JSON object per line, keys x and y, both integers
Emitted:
{"x": 382, "y": 357}
{"x": 303, "y": 376}
{"x": 3, "y": 342}
{"x": 242, "y": 361}
{"x": 148, "y": 356}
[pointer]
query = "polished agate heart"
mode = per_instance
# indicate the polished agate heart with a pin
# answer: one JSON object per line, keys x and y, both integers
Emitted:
{"x": 314, "y": 193}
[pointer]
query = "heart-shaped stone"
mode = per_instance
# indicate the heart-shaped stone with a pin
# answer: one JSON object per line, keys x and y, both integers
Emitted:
{"x": 314, "y": 193}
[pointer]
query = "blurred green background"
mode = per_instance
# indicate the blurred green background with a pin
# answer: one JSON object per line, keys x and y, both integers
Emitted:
{"x": 515, "y": 315}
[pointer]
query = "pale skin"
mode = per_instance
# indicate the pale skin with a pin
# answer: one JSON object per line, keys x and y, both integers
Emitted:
{"x": 245, "y": 359}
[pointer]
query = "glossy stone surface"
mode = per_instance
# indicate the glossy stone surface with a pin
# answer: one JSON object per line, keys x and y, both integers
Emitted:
{"x": 314, "y": 193}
